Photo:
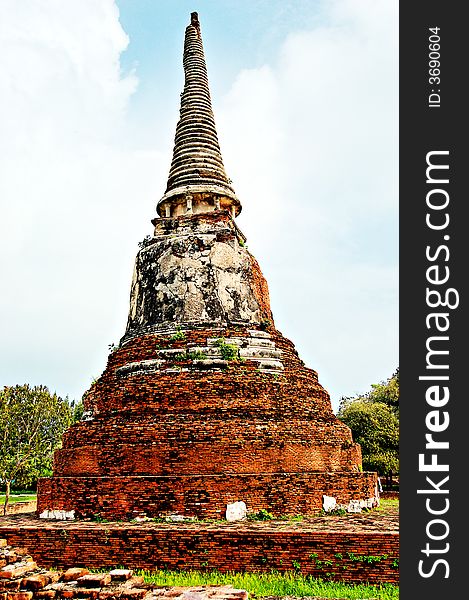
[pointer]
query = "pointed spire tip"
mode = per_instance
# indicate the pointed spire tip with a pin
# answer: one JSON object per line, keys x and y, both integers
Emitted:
{"x": 197, "y": 180}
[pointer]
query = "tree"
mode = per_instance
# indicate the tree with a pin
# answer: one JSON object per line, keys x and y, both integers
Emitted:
{"x": 374, "y": 421}
{"x": 32, "y": 422}
{"x": 386, "y": 392}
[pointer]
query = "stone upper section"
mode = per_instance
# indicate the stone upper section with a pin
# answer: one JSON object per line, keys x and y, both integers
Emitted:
{"x": 197, "y": 180}
{"x": 196, "y": 270}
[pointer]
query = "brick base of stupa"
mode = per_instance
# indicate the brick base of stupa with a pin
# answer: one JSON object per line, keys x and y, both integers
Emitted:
{"x": 202, "y": 496}
{"x": 180, "y": 424}
{"x": 329, "y": 547}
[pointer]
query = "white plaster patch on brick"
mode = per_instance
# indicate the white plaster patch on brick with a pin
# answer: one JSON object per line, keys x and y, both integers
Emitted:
{"x": 236, "y": 511}
{"x": 328, "y": 503}
{"x": 177, "y": 518}
{"x": 354, "y": 506}
{"x": 58, "y": 515}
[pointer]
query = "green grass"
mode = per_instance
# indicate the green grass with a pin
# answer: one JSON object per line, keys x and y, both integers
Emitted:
{"x": 273, "y": 584}
{"x": 17, "y": 498}
{"x": 386, "y": 503}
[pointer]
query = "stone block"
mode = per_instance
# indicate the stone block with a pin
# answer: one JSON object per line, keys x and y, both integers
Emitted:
{"x": 236, "y": 511}
{"x": 328, "y": 503}
{"x": 94, "y": 580}
{"x": 254, "y": 352}
{"x": 136, "y": 594}
{"x": 174, "y": 591}
{"x": 45, "y": 594}
{"x": 110, "y": 594}
{"x": 135, "y": 581}
{"x": 354, "y": 506}
{"x": 10, "y": 572}
{"x": 35, "y": 582}
{"x": 211, "y": 363}
{"x": 120, "y": 574}
{"x": 12, "y": 585}
{"x": 54, "y": 576}
{"x": 11, "y": 557}
{"x": 86, "y": 592}
{"x": 190, "y": 595}
{"x": 19, "y": 595}
{"x": 270, "y": 363}
{"x": 259, "y": 334}
{"x": 58, "y": 515}
{"x": 74, "y": 574}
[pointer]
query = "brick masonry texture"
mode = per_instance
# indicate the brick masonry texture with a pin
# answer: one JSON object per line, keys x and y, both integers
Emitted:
{"x": 192, "y": 441}
{"x": 174, "y": 424}
{"x": 204, "y": 497}
{"x": 353, "y": 549}
{"x": 22, "y": 579}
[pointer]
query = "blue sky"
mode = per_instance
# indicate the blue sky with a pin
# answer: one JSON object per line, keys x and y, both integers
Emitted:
{"x": 305, "y": 100}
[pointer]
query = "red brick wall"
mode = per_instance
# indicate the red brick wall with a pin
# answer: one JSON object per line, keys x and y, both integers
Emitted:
{"x": 200, "y": 496}
{"x": 343, "y": 555}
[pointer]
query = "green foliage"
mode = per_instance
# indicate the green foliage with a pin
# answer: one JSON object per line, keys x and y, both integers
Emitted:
{"x": 387, "y": 503}
{"x": 179, "y": 335}
{"x": 296, "y": 565}
{"x": 14, "y": 498}
{"x": 387, "y": 392}
{"x": 228, "y": 351}
{"x": 374, "y": 421}
{"x": 335, "y": 512}
{"x": 32, "y": 421}
{"x": 77, "y": 410}
{"x": 261, "y": 515}
{"x": 367, "y": 558}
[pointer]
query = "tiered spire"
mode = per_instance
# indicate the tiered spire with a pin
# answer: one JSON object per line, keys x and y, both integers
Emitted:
{"x": 197, "y": 180}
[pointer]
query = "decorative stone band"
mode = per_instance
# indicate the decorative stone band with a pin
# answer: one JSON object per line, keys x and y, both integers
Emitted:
{"x": 197, "y": 199}
{"x": 217, "y": 354}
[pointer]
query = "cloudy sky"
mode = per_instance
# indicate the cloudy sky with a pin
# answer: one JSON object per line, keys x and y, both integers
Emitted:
{"x": 305, "y": 101}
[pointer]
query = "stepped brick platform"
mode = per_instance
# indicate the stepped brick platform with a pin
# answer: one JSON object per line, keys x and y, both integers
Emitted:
{"x": 158, "y": 439}
{"x": 351, "y": 548}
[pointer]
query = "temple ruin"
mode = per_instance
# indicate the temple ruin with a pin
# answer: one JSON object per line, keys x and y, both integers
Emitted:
{"x": 204, "y": 403}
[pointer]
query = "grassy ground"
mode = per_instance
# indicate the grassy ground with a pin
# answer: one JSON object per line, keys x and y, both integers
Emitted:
{"x": 284, "y": 585}
{"x": 17, "y": 498}
{"x": 386, "y": 503}
{"x": 274, "y": 584}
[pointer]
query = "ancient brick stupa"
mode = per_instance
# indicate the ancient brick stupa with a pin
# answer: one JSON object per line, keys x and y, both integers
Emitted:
{"x": 204, "y": 403}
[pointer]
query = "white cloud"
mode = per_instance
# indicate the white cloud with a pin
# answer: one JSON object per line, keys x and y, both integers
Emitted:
{"x": 70, "y": 191}
{"x": 311, "y": 142}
